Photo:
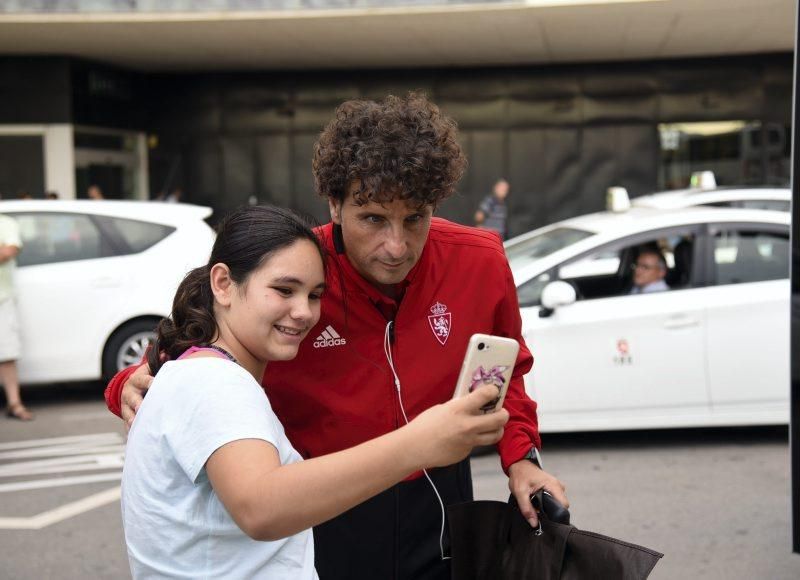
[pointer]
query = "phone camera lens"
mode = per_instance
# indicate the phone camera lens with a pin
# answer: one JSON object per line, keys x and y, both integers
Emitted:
{"x": 481, "y": 346}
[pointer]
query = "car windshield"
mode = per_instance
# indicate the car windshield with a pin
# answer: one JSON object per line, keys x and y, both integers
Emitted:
{"x": 543, "y": 245}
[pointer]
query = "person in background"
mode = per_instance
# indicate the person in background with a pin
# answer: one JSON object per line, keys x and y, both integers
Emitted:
{"x": 492, "y": 214}
{"x": 51, "y": 195}
{"x": 405, "y": 292}
{"x": 649, "y": 271}
{"x": 212, "y": 488}
{"x": 10, "y": 245}
{"x": 94, "y": 192}
{"x": 174, "y": 196}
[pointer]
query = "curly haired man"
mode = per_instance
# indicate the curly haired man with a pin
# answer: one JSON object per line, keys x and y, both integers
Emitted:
{"x": 405, "y": 292}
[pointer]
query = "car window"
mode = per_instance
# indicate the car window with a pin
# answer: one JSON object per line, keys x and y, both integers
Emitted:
{"x": 771, "y": 204}
{"x": 58, "y": 237}
{"x": 768, "y": 204}
{"x": 530, "y": 293}
{"x": 611, "y": 271}
{"x": 742, "y": 256}
{"x": 544, "y": 244}
{"x": 137, "y": 235}
{"x": 599, "y": 264}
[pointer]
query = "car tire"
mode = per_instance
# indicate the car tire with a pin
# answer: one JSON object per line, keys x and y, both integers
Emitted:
{"x": 127, "y": 344}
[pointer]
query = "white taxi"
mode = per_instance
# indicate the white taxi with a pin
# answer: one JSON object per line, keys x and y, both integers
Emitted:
{"x": 711, "y": 350}
{"x": 94, "y": 278}
{"x": 770, "y": 198}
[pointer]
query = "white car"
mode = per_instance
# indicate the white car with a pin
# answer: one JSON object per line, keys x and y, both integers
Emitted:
{"x": 770, "y": 198}
{"x": 94, "y": 278}
{"x": 712, "y": 350}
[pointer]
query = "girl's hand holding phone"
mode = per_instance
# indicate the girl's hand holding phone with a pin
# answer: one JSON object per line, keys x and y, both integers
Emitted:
{"x": 446, "y": 433}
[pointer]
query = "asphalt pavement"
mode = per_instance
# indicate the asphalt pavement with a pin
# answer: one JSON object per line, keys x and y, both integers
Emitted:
{"x": 715, "y": 502}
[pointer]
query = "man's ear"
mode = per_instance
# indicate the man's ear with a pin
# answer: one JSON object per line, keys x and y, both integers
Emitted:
{"x": 222, "y": 284}
{"x": 336, "y": 210}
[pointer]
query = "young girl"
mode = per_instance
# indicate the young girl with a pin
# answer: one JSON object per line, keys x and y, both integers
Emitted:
{"x": 212, "y": 488}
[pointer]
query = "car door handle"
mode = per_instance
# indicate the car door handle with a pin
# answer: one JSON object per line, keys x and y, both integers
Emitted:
{"x": 681, "y": 321}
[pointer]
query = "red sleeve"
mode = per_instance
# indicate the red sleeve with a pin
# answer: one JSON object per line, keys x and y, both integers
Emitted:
{"x": 522, "y": 429}
{"x": 114, "y": 389}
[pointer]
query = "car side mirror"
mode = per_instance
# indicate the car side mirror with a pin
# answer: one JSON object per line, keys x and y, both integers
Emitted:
{"x": 555, "y": 295}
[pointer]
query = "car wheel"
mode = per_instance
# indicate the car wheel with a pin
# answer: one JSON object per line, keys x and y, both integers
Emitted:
{"x": 127, "y": 345}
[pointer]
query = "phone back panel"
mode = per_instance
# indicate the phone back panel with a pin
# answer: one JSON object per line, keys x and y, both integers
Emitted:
{"x": 489, "y": 360}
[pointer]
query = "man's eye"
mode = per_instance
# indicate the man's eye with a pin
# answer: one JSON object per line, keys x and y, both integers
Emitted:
{"x": 414, "y": 218}
{"x": 373, "y": 219}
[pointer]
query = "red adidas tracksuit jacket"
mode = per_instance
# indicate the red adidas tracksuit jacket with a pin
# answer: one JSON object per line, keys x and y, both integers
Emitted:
{"x": 339, "y": 391}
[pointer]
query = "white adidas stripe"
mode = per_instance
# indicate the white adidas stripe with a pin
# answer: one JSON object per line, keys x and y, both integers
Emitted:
{"x": 328, "y": 334}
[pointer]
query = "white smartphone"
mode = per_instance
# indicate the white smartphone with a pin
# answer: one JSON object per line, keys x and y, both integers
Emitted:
{"x": 489, "y": 360}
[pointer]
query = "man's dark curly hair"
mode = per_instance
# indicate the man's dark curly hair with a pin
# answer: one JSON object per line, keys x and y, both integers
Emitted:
{"x": 399, "y": 148}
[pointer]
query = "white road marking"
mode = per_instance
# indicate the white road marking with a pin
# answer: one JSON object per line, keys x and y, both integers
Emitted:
{"x": 59, "y": 482}
{"x": 37, "y": 459}
{"x": 61, "y": 451}
{"x": 95, "y": 438}
{"x": 63, "y": 512}
{"x": 64, "y": 465}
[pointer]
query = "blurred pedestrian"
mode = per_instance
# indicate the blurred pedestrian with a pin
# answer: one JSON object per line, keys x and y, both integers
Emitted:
{"x": 51, "y": 195}
{"x": 10, "y": 244}
{"x": 493, "y": 213}
{"x": 174, "y": 196}
{"x": 94, "y": 192}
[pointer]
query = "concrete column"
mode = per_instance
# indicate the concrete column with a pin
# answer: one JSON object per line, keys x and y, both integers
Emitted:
{"x": 59, "y": 160}
{"x": 142, "y": 188}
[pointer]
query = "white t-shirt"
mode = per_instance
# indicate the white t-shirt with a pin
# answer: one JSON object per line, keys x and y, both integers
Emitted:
{"x": 175, "y": 526}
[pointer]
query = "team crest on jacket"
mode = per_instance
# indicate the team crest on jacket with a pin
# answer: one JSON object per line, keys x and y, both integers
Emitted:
{"x": 441, "y": 322}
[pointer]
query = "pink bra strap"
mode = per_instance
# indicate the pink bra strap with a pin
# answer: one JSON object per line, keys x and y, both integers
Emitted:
{"x": 194, "y": 349}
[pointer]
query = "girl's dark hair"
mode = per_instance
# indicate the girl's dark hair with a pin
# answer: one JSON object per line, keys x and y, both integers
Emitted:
{"x": 246, "y": 238}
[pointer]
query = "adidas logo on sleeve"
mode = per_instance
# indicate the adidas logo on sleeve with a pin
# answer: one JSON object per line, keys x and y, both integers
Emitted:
{"x": 329, "y": 337}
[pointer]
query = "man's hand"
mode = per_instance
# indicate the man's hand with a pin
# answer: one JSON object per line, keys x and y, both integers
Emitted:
{"x": 133, "y": 392}
{"x": 526, "y": 478}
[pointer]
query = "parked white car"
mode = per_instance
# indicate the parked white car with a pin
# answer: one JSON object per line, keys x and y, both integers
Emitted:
{"x": 770, "y": 198}
{"x": 94, "y": 278}
{"x": 712, "y": 350}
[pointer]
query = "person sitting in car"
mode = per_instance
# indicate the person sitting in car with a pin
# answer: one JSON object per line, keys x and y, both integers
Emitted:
{"x": 648, "y": 272}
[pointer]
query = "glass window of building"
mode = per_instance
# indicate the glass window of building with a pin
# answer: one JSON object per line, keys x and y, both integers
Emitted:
{"x": 739, "y": 152}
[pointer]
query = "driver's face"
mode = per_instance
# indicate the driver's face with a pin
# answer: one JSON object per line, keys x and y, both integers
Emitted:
{"x": 648, "y": 270}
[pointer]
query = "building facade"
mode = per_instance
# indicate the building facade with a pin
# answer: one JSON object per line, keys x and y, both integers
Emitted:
{"x": 235, "y": 130}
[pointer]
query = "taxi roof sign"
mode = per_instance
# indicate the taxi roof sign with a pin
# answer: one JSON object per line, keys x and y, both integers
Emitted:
{"x": 703, "y": 180}
{"x": 617, "y": 200}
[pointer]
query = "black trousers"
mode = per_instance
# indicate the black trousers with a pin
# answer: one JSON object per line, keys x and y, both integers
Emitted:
{"x": 395, "y": 535}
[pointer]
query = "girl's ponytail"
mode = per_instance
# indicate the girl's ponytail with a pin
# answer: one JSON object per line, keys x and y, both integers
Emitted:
{"x": 192, "y": 322}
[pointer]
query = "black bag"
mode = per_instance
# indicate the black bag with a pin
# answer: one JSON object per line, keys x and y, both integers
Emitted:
{"x": 491, "y": 540}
